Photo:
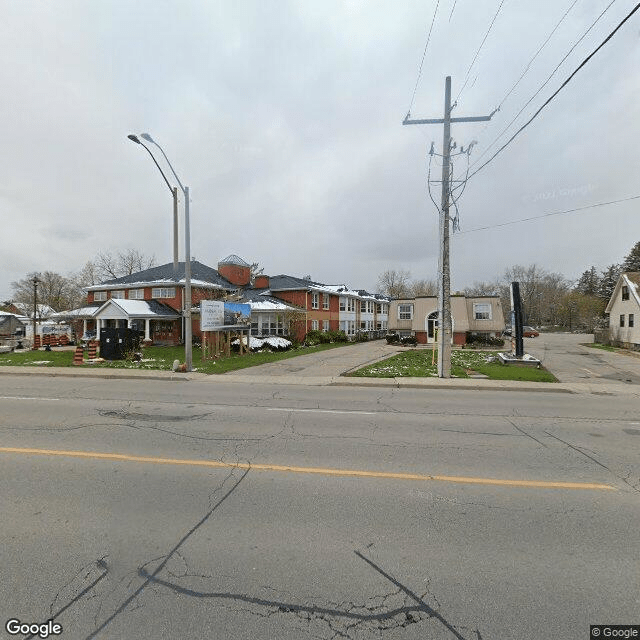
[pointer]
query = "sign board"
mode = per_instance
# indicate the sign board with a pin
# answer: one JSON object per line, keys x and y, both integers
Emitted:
{"x": 211, "y": 314}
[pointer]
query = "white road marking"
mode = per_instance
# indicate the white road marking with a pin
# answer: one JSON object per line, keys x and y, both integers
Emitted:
{"x": 28, "y": 398}
{"x": 360, "y": 413}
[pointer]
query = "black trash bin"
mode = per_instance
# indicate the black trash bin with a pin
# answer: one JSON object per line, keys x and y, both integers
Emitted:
{"x": 115, "y": 343}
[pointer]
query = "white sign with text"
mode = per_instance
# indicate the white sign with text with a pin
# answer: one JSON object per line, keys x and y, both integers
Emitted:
{"x": 211, "y": 314}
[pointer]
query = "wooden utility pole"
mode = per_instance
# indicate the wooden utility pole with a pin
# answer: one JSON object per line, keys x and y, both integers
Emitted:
{"x": 444, "y": 277}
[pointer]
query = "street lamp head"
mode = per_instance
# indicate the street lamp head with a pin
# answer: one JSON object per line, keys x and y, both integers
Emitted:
{"x": 147, "y": 137}
{"x": 134, "y": 138}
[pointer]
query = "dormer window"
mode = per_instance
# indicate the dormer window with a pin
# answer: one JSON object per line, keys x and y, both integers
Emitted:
{"x": 625, "y": 292}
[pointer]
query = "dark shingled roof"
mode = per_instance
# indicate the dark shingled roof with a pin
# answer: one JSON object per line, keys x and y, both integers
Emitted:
{"x": 164, "y": 272}
{"x": 284, "y": 282}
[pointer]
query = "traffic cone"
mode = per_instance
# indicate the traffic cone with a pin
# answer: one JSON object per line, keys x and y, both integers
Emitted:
{"x": 78, "y": 357}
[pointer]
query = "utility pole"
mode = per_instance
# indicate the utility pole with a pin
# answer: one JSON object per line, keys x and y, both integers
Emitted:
{"x": 444, "y": 276}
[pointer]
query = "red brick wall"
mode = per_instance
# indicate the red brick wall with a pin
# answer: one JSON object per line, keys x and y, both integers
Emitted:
{"x": 235, "y": 273}
{"x": 262, "y": 282}
{"x": 297, "y": 298}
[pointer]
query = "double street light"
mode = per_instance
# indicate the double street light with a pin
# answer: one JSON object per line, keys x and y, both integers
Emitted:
{"x": 188, "y": 350}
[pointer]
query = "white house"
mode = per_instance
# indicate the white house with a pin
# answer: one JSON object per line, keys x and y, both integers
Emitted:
{"x": 624, "y": 311}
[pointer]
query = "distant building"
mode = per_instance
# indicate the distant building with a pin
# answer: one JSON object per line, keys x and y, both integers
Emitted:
{"x": 151, "y": 302}
{"x": 481, "y": 315}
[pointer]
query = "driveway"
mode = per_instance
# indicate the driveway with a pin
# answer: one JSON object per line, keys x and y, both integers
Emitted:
{"x": 330, "y": 363}
{"x": 564, "y": 355}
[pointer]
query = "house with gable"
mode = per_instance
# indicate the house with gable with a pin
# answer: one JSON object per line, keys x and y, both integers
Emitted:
{"x": 624, "y": 311}
{"x": 151, "y": 301}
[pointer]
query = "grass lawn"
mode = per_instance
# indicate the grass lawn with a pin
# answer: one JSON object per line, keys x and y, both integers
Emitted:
{"x": 596, "y": 345}
{"x": 418, "y": 363}
{"x": 162, "y": 358}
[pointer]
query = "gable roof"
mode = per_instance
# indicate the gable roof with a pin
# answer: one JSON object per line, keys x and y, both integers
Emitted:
{"x": 139, "y": 308}
{"x": 632, "y": 280}
{"x": 201, "y": 275}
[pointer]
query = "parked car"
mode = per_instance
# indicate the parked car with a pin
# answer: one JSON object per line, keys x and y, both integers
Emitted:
{"x": 507, "y": 330}
{"x": 529, "y": 332}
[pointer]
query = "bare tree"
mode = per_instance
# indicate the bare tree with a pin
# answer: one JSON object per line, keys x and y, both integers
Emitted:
{"x": 54, "y": 290}
{"x": 423, "y": 288}
{"x": 108, "y": 266}
{"x": 394, "y": 284}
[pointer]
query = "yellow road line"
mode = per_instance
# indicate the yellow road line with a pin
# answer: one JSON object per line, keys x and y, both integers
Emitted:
{"x": 540, "y": 484}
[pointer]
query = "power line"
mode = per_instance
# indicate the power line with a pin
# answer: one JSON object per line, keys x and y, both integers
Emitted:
{"x": 486, "y": 35}
{"x": 544, "y": 84}
{"x": 562, "y": 86}
{"x": 537, "y": 53}
{"x": 553, "y": 213}
{"x": 424, "y": 53}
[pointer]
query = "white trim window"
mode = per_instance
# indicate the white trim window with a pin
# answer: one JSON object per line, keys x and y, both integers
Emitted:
{"x": 314, "y": 300}
{"x": 314, "y": 325}
{"x": 482, "y": 310}
{"x": 136, "y": 294}
{"x": 163, "y": 292}
{"x": 325, "y": 301}
{"x": 99, "y": 296}
{"x": 343, "y": 304}
{"x": 351, "y": 304}
{"x": 405, "y": 312}
{"x": 325, "y": 326}
{"x": 118, "y": 295}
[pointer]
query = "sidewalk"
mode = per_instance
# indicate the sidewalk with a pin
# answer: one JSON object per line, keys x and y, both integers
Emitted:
{"x": 315, "y": 381}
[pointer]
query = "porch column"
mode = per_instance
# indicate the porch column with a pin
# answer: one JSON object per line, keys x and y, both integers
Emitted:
{"x": 147, "y": 333}
{"x": 84, "y": 326}
{"x": 98, "y": 327}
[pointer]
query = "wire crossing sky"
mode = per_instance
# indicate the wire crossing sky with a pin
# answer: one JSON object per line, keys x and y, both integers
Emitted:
{"x": 283, "y": 120}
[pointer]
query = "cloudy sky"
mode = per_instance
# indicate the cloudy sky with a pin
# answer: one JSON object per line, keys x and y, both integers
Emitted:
{"x": 284, "y": 119}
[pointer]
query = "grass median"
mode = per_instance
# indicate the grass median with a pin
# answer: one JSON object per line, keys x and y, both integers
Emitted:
{"x": 159, "y": 358}
{"x": 422, "y": 363}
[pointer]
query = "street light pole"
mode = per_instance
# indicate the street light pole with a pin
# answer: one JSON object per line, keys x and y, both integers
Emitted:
{"x": 188, "y": 339}
{"x": 174, "y": 195}
{"x": 35, "y": 308}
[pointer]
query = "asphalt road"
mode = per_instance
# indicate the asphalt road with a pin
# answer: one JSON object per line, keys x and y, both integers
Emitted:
{"x": 567, "y": 357}
{"x": 274, "y": 511}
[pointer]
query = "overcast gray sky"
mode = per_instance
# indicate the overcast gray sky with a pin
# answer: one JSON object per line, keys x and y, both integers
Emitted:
{"x": 284, "y": 118}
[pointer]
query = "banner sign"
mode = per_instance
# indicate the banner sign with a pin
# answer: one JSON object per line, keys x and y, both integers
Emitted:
{"x": 215, "y": 314}
{"x": 211, "y": 314}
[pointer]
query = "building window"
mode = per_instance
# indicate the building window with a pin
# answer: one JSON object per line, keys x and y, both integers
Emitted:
{"x": 343, "y": 304}
{"x": 351, "y": 304}
{"x": 325, "y": 300}
{"x": 631, "y": 319}
{"x": 325, "y": 325}
{"x": 163, "y": 292}
{"x": 405, "y": 312}
{"x": 351, "y": 327}
{"x": 314, "y": 300}
{"x": 622, "y": 319}
{"x": 314, "y": 325}
{"x": 625, "y": 292}
{"x": 118, "y": 295}
{"x": 482, "y": 311}
{"x": 363, "y": 306}
{"x": 136, "y": 294}
{"x": 100, "y": 296}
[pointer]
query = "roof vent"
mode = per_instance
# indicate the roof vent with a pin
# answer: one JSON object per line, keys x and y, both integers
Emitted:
{"x": 234, "y": 259}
